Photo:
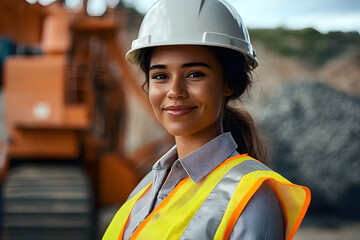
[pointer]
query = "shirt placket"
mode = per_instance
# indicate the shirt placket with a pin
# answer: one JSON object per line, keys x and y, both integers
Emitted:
{"x": 176, "y": 174}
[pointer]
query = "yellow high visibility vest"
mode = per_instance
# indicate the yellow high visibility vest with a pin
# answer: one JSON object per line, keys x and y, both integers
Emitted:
{"x": 188, "y": 207}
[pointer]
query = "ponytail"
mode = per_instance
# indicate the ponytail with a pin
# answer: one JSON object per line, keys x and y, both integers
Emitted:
{"x": 237, "y": 74}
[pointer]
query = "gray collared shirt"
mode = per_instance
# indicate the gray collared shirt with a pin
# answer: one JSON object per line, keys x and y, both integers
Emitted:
{"x": 261, "y": 219}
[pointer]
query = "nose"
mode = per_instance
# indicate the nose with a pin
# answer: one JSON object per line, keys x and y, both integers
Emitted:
{"x": 177, "y": 89}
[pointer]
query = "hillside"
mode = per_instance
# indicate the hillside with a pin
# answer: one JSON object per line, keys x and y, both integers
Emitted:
{"x": 313, "y": 47}
{"x": 289, "y": 56}
{"x": 341, "y": 72}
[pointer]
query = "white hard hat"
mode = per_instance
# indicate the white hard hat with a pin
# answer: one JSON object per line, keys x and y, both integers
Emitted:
{"x": 193, "y": 22}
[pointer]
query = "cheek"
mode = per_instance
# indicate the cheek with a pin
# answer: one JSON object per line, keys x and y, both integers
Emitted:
{"x": 154, "y": 95}
{"x": 212, "y": 94}
{"x": 214, "y": 100}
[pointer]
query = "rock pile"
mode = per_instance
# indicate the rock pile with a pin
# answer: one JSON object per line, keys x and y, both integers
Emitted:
{"x": 315, "y": 141}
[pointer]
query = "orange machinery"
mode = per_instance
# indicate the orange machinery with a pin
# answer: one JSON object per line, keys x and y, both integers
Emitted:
{"x": 67, "y": 103}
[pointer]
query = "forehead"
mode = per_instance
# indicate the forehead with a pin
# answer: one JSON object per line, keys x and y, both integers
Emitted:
{"x": 182, "y": 54}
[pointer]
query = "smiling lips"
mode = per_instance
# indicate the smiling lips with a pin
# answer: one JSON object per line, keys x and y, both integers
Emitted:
{"x": 178, "y": 111}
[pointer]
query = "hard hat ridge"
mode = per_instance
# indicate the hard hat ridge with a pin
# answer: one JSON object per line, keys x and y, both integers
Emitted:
{"x": 193, "y": 22}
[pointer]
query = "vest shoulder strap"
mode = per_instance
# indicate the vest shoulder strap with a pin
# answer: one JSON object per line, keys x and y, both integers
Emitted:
{"x": 294, "y": 200}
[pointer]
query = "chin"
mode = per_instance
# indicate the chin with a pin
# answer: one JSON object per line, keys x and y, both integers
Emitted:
{"x": 179, "y": 131}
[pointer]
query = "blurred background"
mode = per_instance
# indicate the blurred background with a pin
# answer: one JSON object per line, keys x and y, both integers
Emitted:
{"x": 77, "y": 133}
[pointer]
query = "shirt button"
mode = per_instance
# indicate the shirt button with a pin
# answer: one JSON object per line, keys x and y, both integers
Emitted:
{"x": 178, "y": 165}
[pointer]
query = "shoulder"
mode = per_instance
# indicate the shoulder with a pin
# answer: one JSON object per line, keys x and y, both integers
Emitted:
{"x": 262, "y": 217}
{"x": 242, "y": 165}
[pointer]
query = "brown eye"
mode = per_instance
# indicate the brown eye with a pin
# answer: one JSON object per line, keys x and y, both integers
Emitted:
{"x": 196, "y": 74}
{"x": 159, "y": 76}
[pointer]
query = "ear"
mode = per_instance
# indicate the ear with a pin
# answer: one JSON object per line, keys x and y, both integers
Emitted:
{"x": 228, "y": 91}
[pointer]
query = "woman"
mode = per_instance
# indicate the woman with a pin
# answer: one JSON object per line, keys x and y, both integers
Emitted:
{"x": 196, "y": 56}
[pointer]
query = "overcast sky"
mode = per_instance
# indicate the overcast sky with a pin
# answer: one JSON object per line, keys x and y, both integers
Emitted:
{"x": 323, "y": 15}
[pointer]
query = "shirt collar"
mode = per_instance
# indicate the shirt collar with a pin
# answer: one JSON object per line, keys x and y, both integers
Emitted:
{"x": 202, "y": 161}
{"x": 167, "y": 160}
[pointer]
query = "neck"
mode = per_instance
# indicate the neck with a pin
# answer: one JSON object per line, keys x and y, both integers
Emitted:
{"x": 190, "y": 143}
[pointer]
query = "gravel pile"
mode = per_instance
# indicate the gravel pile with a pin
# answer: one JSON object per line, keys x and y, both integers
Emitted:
{"x": 315, "y": 141}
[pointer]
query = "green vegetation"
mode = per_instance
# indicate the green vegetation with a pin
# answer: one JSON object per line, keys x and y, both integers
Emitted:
{"x": 308, "y": 44}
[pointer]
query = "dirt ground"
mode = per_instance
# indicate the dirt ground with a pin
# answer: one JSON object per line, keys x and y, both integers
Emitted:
{"x": 348, "y": 232}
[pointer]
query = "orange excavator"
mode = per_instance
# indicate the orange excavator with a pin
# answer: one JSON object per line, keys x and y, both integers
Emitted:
{"x": 67, "y": 92}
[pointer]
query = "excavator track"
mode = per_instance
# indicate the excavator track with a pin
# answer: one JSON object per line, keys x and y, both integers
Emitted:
{"x": 47, "y": 202}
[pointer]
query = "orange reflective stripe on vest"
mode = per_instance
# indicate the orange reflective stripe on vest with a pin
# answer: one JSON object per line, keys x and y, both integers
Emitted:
{"x": 183, "y": 208}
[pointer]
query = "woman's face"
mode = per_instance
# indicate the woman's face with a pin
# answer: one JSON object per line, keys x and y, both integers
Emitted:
{"x": 187, "y": 90}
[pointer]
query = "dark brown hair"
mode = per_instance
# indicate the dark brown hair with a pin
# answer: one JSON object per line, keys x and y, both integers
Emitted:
{"x": 237, "y": 74}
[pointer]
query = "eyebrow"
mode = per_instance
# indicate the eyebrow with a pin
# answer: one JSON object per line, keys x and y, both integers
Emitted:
{"x": 158, "y": 66}
{"x": 185, "y": 65}
{"x": 195, "y": 64}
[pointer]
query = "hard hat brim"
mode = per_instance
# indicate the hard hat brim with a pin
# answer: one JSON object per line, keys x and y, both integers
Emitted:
{"x": 132, "y": 55}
